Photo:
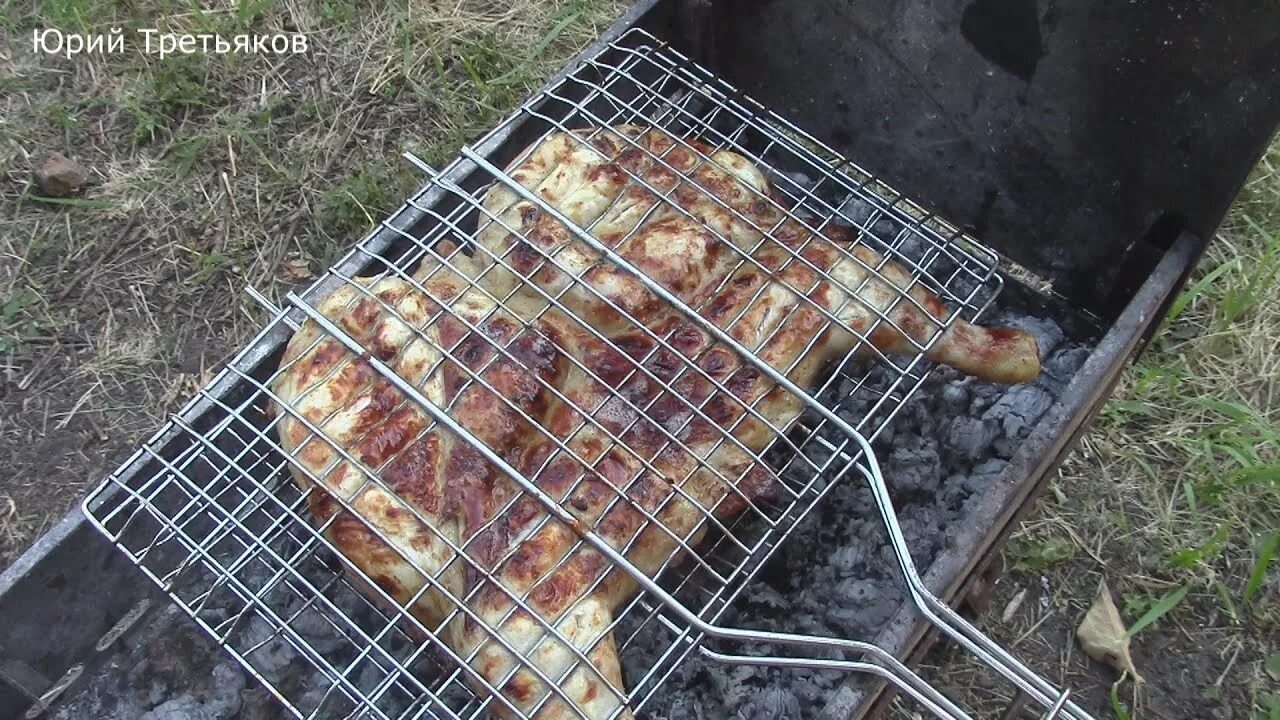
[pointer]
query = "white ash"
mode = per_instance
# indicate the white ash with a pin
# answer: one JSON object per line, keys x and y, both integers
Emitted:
{"x": 836, "y": 575}
{"x": 168, "y": 668}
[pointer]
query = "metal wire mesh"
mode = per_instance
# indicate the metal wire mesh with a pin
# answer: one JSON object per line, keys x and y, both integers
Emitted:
{"x": 237, "y": 521}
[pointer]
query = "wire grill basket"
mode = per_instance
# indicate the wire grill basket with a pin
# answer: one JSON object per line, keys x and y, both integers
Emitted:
{"x": 484, "y": 310}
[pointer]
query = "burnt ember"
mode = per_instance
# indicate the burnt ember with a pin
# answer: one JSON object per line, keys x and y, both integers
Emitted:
{"x": 835, "y": 576}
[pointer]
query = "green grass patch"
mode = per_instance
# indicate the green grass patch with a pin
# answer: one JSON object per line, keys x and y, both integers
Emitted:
{"x": 1040, "y": 554}
{"x": 72, "y": 15}
{"x": 348, "y": 210}
{"x": 15, "y": 321}
{"x": 1266, "y": 554}
{"x": 1158, "y": 609}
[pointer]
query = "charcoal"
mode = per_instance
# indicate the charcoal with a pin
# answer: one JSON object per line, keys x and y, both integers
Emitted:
{"x": 183, "y": 707}
{"x": 228, "y": 681}
{"x": 774, "y": 703}
{"x": 272, "y": 654}
{"x": 981, "y": 397}
{"x": 765, "y": 595}
{"x": 865, "y": 216}
{"x": 868, "y": 599}
{"x": 915, "y": 460}
{"x": 731, "y": 685}
{"x": 220, "y": 702}
{"x": 796, "y": 178}
{"x": 1017, "y": 411}
{"x": 953, "y": 398}
{"x": 984, "y": 474}
{"x": 970, "y": 437}
{"x": 685, "y": 707}
{"x": 856, "y": 211}
{"x": 812, "y": 691}
{"x": 315, "y": 629}
{"x": 943, "y": 450}
{"x": 1059, "y": 369}
{"x": 836, "y": 576}
{"x": 845, "y": 559}
{"x": 1047, "y": 332}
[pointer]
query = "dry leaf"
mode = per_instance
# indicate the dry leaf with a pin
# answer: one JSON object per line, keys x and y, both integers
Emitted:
{"x": 296, "y": 270}
{"x": 1102, "y": 634}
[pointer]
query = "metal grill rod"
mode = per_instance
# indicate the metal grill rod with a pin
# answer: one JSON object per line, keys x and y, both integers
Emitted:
{"x": 937, "y": 612}
{"x": 365, "y": 289}
{"x": 894, "y": 671}
{"x": 749, "y": 409}
{"x": 639, "y": 367}
{"x": 881, "y": 315}
{"x": 766, "y": 235}
{"x": 705, "y": 88}
{"x": 288, "y": 567}
{"x": 240, "y": 589}
{"x": 668, "y": 107}
{"x": 431, "y": 581}
{"x": 758, "y": 554}
{"x": 246, "y": 474}
{"x": 941, "y": 615}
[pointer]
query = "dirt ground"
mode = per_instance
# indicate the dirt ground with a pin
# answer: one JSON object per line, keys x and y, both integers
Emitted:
{"x": 208, "y": 173}
{"x": 1173, "y": 499}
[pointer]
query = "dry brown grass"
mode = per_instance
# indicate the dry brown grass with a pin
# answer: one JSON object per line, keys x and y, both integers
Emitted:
{"x": 208, "y": 173}
{"x": 1177, "y": 486}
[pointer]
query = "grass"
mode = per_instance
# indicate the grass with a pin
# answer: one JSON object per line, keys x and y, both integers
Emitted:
{"x": 1193, "y": 442}
{"x": 209, "y": 173}
{"x": 212, "y": 172}
{"x": 1173, "y": 497}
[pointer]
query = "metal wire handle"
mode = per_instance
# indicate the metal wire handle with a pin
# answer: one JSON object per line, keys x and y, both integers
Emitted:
{"x": 890, "y": 669}
{"x": 937, "y": 612}
{"x": 230, "y": 436}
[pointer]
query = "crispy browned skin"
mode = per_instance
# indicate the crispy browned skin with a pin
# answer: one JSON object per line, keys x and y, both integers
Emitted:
{"x": 668, "y": 461}
{"x": 690, "y": 249}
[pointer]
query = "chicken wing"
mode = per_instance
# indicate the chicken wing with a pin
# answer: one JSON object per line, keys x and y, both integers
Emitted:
{"x": 614, "y": 403}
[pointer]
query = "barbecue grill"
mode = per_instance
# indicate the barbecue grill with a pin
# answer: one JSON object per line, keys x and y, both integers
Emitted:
{"x": 206, "y": 510}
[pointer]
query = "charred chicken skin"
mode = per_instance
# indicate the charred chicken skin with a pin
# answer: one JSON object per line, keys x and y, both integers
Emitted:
{"x": 613, "y": 402}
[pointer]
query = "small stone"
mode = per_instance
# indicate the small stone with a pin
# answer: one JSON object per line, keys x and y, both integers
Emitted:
{"x": 296, "y": 270}
{"x": 58, "y": 176}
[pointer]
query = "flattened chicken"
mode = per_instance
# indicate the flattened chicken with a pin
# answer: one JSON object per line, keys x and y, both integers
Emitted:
{"x": 641, "y": 425}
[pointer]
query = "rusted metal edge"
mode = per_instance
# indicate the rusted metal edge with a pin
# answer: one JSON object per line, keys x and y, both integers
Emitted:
{"x": 1027, "y": 476}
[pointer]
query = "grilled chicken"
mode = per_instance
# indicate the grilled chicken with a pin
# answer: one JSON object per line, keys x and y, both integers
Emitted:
{"x": 640, "y": 424}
